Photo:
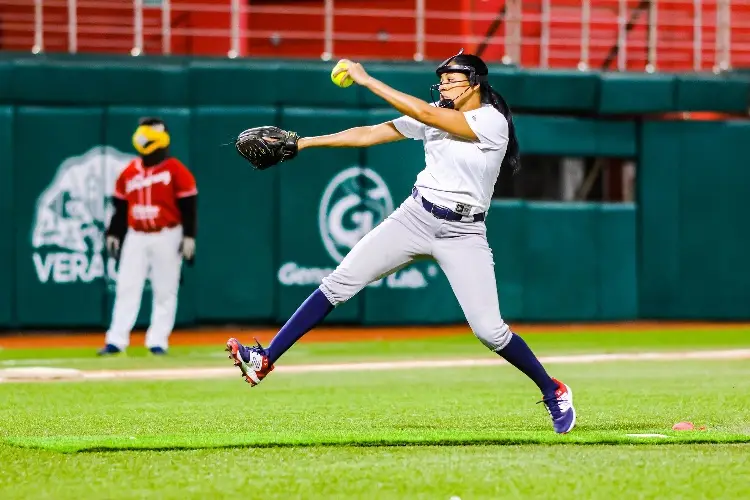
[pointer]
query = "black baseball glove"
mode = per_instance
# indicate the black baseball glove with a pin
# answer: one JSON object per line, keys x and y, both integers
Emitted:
{"x": 267, "y": 146}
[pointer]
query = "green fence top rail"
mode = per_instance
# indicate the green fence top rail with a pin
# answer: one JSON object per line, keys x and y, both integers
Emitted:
{"x": 180, "y": 81}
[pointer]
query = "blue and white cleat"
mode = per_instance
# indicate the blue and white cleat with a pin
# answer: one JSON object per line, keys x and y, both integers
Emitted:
{"x": 252, "y": 361}
{"x": 560, "y": 408}
{"x": 108, "y": 350}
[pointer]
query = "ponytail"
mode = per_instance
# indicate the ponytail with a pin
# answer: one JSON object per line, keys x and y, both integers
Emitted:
{"x": 512, "y": 158}
{"x": 477, "y": 72}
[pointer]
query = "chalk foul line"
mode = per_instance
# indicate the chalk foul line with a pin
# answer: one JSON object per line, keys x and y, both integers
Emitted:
{"x": 41, "y": 374}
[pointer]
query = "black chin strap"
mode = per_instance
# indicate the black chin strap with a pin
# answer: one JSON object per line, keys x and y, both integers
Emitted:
{"x": 451, "y": 103}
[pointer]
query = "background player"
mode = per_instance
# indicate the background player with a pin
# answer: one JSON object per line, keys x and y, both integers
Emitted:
{"x": 154, "y": 224}
{"x": 467, "y": 138}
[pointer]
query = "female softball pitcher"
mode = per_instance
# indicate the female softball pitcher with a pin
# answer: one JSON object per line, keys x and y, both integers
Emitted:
{"x": 468, "y": 136}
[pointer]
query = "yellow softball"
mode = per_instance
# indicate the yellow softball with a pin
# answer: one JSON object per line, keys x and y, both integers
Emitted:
{"x": 342, "y": 79}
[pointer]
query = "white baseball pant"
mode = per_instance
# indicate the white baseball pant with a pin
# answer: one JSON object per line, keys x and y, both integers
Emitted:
{"x": 154, "y": 256}
{"x": 460, "y": 249}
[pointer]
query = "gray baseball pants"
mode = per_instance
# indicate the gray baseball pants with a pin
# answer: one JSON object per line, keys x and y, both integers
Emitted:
{"x": 460, "y": 249}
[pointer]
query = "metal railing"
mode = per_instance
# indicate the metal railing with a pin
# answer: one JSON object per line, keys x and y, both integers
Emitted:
{"x": 706, "y": 35}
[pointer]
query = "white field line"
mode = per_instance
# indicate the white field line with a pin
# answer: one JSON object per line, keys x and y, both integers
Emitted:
{"x": 63, "y": 361}
{"x": 41, "y": 373}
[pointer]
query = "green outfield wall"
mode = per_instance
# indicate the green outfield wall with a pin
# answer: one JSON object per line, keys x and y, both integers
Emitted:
{"x": 265, "y": 239}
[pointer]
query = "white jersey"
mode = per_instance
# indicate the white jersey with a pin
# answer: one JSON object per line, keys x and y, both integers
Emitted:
{"x": 459, "y": 171}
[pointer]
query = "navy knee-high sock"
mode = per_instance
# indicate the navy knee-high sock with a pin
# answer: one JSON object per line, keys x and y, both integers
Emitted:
{"x": 519, "y": 354}
{"x": 312, "y": 311}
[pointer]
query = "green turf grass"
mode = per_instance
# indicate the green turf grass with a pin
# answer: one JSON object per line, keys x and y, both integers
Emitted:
{"x": 464, "y": 346}
{"x": 327, "y": 438}
{"x": 352, "y": 435}
{"x": 428, "y": 472}
{"x": 466, "y": 405}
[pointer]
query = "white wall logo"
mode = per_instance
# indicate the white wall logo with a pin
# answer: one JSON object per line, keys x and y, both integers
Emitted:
{"x": 72, "y": 215}
{"x": 353, "y": 203}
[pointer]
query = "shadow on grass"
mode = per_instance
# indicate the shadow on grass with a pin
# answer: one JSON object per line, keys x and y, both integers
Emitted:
{"x": 91, "y": 444}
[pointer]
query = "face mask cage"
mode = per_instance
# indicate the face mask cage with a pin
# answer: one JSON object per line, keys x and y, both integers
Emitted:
{"x": 445, "y": 67}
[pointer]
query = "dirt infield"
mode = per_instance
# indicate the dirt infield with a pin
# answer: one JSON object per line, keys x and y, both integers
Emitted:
{"x": 217, "y": 336}
{"x": 48, "y": 374}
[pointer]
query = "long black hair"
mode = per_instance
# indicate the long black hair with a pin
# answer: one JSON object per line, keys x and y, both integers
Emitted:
{"x": 477, "y": 72}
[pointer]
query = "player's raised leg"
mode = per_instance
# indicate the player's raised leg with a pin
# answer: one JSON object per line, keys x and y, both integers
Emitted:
{"x": 391, "y": 245}
{"x": 467, "y": 261}
{"x": 165, "y": 283}
{"x": 131, "y": 277}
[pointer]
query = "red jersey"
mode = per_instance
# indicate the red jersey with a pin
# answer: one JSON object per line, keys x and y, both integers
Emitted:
{"x": 152, "y": 193}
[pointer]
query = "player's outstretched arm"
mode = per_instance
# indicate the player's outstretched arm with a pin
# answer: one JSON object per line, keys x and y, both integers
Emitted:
{"x": 452, "y": 121}
{"x": 357, "y": 137}
{"x": 267, "y": 146}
